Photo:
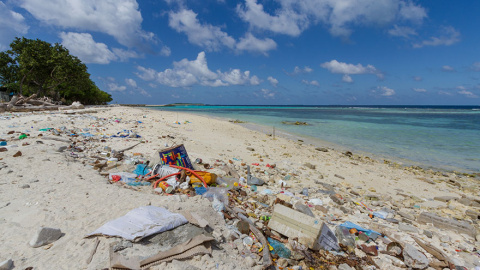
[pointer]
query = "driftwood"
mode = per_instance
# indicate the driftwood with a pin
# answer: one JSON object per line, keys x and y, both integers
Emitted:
{"x": 20, "y": 103}
{"x": 267, "y": 259}
{"x": 33, "y": 108}
{"x": 60, "y": 139}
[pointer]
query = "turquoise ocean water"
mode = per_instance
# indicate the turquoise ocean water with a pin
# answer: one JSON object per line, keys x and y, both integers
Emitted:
{"x": 440, "y": 137}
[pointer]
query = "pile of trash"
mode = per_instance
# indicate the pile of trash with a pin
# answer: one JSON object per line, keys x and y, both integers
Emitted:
{"x": 269, "y": 222}
{"x": 311, "y": 228}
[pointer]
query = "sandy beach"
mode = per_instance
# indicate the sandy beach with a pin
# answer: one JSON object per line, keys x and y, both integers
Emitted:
{"x": 56, "y": 183}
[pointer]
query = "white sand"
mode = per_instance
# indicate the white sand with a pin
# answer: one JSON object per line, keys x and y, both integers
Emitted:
{"x": 67, "y": 193}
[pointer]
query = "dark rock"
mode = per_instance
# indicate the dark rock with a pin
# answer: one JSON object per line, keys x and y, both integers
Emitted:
{"x": 407, "y": 228}
{"x": 465, "y": 201}
{"x": 17, "y": 154}
{"x": 250, "y": 149}
{"x": 45, "y": 236}
{"x": 427, "y": 233}
{"x": 303, "y": 208}
{"x": 62, "y": 148}
{"x": 6, "y": 265}
{"x": 243, "y": 227}
{"x": 337, "y": 199}
{"x": 444, "y": 198}
{"x": 414, "y": 258}
{"x": 321, "y": 149}
{"x": 308, "y": 165}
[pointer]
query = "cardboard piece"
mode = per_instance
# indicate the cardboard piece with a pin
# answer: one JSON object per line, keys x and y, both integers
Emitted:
{"x": 292, "y": 223}
{"x": 328, "y": 240}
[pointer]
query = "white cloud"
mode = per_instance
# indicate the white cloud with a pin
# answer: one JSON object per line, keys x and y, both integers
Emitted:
{"x": 350, "y": 69}
{"x": 165, "y": 51}
{"x": 253, "y": 44}
{"x": 448, "y": 68}
{"x": 445, "y": 93}
{"x": 293, "y": 17}
{"x": 124, "y": 55}
{"x": 298, "y": 70}
{"x": 420, "y": 90}
{"x": 146, "y": 74}
{"x": 186, "y": 73}
{"x": 143, "y": 92}
{"x": 207, "y": 36}
{"x": 448, "y": 36}
{"x": 347, "y": 78}
{"x": 417, "y": 78}
{"x": 12, "y": 24}
{"x": 467, "y": 94}
{"x": 273, "y": 81}
{"x": 267, "y": 94}
{"x": 384, "y": 91}
{"x": 410, "y": 12}
{"x": 131, "y": 82}
{"x": 314, "y": 82}
{"x": 114, "y": 87}
{"x": 402, "y": 31}
{"x": 475, "y": 66}
{"x": 84, "y": 47}
{"x": 212, "y": 38}
{"x": 119, "y": 18}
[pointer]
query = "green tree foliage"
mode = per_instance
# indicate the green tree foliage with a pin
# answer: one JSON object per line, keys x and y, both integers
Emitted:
{"x": 38, "y": 67}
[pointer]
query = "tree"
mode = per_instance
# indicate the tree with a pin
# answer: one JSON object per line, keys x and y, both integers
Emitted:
{"x": 38, "y": 67}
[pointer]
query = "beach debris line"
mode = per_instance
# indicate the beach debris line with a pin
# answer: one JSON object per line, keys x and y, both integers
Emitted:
{"x": 260, "y": 214}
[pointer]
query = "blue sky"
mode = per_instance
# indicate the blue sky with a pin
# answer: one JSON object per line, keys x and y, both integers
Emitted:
{"x": 348, "y": 52}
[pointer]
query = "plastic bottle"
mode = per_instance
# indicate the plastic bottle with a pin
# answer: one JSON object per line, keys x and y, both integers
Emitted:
{"x": 345, "y": 238}
{"x": 279, "y": 248}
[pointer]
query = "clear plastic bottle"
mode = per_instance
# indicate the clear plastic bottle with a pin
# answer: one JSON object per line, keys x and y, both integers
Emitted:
{"x": 345, "y": 238}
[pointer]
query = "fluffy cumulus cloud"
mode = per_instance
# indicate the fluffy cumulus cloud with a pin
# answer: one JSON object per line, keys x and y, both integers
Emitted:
{"x": 273, "y": 81}
{"x": 84, "y": 47}
{"x": 265, "y": 93}
{"x": 350, "y": 69}
{"x": 298, "y": 70}
{"x": 210, "y": 37}
{"x": 131, "y": 82}
{"x": 448, "y": 36}
{"x": 213, "y": 38}
{"x": 186, "y": 73}
{"x": 118, "y": 18}
{"x": 114, "y": 87}
{"x": 383, "y": 91}
{"x": 11, "y": 24}
{"x": 253, "y": 44}
{"x": 314, "y": 82}
{"x": 293, "y": 17}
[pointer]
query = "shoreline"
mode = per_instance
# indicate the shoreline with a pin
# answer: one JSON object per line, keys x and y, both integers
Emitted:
{"x": 317, "y": 142}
